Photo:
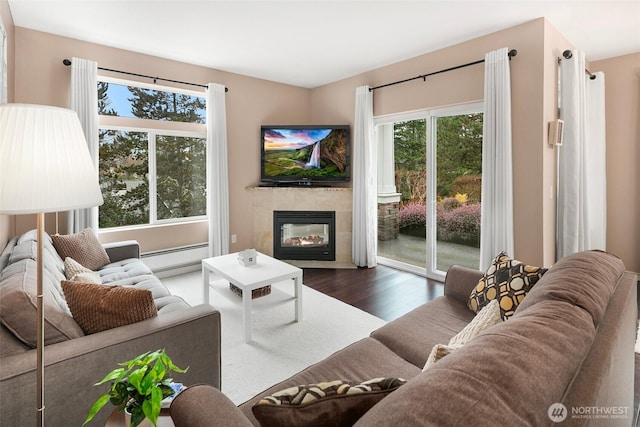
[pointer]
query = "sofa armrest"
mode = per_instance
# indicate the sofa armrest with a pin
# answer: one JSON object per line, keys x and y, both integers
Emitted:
{"x": 201, "y": 404}
{"x": 460, "y": 281}
{"x": 118, "y": 251}
{"x": 191, "y": 337}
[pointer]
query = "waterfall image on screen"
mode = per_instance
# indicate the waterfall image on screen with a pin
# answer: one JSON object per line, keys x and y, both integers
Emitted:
{"x": 314, "y": 161}
{"x": 305, "y": 153}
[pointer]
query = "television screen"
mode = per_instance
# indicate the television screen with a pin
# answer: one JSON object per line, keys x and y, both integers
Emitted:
{"x": 305, "y": 154}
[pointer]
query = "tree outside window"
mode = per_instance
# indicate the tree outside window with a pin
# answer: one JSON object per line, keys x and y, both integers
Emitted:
{"x": 150, "y": 175}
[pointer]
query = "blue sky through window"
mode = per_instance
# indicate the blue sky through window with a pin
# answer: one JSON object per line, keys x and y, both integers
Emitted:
{"x": 119, "y": 97}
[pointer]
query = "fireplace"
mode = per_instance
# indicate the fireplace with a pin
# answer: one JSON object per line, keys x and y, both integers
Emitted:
{"x": 304, "y": 235}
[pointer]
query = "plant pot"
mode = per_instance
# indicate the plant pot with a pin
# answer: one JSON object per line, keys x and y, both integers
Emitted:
{"x": 127, "y": 421}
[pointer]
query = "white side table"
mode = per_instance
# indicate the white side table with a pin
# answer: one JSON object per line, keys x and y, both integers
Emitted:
{"x": 267, "y": 271}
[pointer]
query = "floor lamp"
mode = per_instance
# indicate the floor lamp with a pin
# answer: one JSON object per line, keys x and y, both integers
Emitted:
{"x": 45, "y": 166}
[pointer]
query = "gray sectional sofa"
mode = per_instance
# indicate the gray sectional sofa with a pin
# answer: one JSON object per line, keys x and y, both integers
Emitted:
{"x": 74, "y": 361}
{"x": 567, "y": 352}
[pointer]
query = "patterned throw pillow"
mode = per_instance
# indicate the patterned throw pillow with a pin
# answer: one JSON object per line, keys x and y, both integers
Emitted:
{"x": 76, "y": 272}
{"x": 506, "y": 280}
{"x": 335, "y": 403}
{"x": 83, "y": 247}
{"x": 97, "y": 308}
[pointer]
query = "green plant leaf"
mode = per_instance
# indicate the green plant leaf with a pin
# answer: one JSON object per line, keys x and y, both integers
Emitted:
{"x": 111, "y": 376}
{"x": 152, "y": 406}
{"x": 135, "y": 379}
{"x": 102, "y": 400}
{"x": 140, "y": 384}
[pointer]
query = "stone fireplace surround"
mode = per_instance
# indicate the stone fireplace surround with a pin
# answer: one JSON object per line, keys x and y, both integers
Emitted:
{"x": 265, "y": 200}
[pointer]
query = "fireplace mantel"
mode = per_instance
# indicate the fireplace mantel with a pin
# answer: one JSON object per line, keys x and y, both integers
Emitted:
{"x": 265, "y": 200}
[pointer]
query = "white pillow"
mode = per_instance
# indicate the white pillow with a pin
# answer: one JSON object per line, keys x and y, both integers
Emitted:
{"x": 75, "y": 271}
{"x": 488, "y": 316}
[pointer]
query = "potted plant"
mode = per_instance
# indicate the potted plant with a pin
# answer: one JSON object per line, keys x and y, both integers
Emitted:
{"x": 139, "y": 386}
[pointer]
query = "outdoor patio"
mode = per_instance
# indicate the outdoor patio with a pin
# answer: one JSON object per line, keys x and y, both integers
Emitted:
{"x": 413, "y": 250}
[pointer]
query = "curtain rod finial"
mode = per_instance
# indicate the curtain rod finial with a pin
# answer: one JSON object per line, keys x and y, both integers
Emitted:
{"x": 66, "y": 62}
{"x": 567, "y": 54}
{"x": 512, "y": 53}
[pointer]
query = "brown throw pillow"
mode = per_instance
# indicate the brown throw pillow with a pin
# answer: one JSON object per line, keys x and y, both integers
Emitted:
{"x": 100, "y": 307}
{"x": 335, "y": 403}
{"x": 83, "y": 247}
{"x": 507, "y": 280}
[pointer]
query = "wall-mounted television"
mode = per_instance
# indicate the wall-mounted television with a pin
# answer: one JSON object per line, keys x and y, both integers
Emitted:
{"x": 305, "y": 154}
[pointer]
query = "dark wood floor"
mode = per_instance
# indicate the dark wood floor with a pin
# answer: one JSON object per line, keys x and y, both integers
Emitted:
{"x": 385, "y": 292}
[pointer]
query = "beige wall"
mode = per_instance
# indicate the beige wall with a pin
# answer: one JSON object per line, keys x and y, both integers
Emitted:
{"x": 622, "y": 104}
{"x": 533, "y": 104}
{"x": 43, "y": 79}
{"x": 7, "y": 223}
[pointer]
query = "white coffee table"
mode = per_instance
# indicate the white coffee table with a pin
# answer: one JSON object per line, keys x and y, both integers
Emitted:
{"x": 265, "y": 272}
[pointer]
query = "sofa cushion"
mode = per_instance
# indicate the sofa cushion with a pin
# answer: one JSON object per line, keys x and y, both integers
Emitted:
{"x": 336, "y": 403}
{"x": 507, "y": 280}
{"x": 84, "y": 247}
{"x": 28, "y": 249}
{"x": 586, "y": 279}
{"x": 504, "y": 376}
{"x": 75, "y": 271}
{"x": 412, "y": 335}
{"x": 487, "y": 317}
{"x": 18, "y": 306}
{"x": 100, "y": 307}
{"x": 365, "y": 359}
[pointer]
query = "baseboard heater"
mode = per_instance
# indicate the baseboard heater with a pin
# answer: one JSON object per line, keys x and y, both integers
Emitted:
{"x": 169, "y": 262}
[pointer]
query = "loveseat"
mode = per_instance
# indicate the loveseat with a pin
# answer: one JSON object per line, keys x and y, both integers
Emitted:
{"x": 565, "y": 354}
{"x": 75, "y": 361}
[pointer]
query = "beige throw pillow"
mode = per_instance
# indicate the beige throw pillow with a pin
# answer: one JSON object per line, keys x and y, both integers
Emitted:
{"x": 76, "y": 272}
{"x": 83, "y": 247}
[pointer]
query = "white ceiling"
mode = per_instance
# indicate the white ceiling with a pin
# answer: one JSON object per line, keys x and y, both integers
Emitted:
{"x": 310, "y": 43}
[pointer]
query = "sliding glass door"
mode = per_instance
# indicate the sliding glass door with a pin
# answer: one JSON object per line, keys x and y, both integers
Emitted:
{"x": 429, "y": 184}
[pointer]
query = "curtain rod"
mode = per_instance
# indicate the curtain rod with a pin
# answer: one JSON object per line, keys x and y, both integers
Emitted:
{"x": 567, "y": 55}
{"x": 67, "y": 62}
{"x": 511, "y": 54}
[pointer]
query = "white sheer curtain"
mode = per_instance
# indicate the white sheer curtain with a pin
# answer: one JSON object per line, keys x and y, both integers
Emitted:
{"x": 364, "y": 182}
{"x": 84, "y": 101}
{"x": 582, "y": 197}
{"x": 217, "y": 171}
{"x": 497, "y": 176}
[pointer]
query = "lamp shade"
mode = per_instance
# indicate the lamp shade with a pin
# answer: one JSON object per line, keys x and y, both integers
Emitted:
{"x": 45, "y": 164}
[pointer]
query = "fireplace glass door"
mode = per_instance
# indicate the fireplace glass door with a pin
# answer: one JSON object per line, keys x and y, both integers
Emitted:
{"x": 304, "y": 235}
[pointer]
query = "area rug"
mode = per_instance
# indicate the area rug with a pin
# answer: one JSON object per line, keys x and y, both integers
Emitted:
{"x": 280, "y": 347}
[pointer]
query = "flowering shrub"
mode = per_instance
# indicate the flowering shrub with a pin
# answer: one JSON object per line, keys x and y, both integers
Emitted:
{"x": 460, "y": 224}
{"x": 462, "y": 198}
{"x": 450, "y": 203}
{"x": 456, "y": 222}
{"x": 412, "y": 215}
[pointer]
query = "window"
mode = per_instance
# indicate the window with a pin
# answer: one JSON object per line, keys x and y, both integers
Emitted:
{"x": 152, "y": 161}
{"x": 430, "y": 175}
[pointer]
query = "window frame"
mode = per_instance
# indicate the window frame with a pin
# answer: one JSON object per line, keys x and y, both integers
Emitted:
{"x": 431, "y": 116}
{"x": 162, "y": 128}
